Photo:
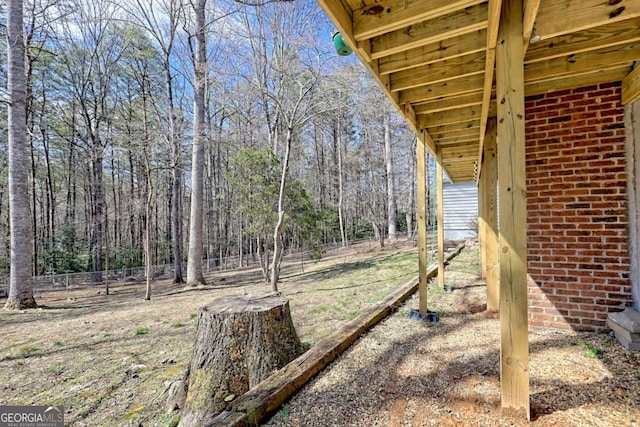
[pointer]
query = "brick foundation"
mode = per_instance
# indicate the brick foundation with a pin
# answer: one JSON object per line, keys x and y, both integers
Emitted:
{"x": 578, "y": 260}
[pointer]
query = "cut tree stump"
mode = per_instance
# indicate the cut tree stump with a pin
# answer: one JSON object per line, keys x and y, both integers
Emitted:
{"x": 240, "y": 341}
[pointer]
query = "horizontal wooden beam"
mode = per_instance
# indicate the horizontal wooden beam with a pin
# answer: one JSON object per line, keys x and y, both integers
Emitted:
{"x": 463, "y": 22}
{"x": 458, "y": 142}
{"x": 557, "y": 17}
{"x": 460, "y": 67}
{"x": 603, "y": 59}
{"x": 630, "y": 86}
{"x": 614, "y": 34}
{"x": 587, "y": 79}
{"x": 435, "y": 130}
{"x": 459, "y": 133}
{"x": 460, "y": 115}
{"x": 387, "y": 16}
{"x": 463, "y": 152}
{"x": 457, "y": 87}
{"x": 438, "y": 51}
{"x": 450, "y": 103}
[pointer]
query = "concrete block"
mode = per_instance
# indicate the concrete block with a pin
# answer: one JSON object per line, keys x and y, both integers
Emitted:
{"x": 626, "y": 327}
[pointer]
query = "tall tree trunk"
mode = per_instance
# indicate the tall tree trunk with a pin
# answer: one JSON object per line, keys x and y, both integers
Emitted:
{"x": 411, "y": 202}
{"x": 391, "y": 193}
{"x": 194, "y": 261}
{"x": 340, "y": 187}
{"x": 176, "y": 196}
{"x": 147, "y": 236}
{"x": 277, "y": 232}
{"x": 20, "y": 280}
{"x": 98, "y": 212}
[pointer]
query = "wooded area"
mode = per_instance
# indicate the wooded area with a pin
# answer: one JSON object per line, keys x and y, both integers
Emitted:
{"x": 244, "y": 112}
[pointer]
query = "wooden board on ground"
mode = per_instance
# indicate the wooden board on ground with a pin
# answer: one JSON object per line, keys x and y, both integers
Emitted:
{"x": 266, "y": 397}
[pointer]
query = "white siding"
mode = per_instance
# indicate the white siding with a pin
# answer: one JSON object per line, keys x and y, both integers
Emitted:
{"x": 460, "y": 208}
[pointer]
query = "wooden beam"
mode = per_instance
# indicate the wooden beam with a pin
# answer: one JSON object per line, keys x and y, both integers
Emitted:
{"x": 557, "y": 17}
{"x": 603, "y": 59}
{"x": 459, "y": 115}
{"x": 442, "y": 131}
{"x": 450, "y": 103}
{"x": 457, "y": 133}
{"x": 490, "y": 60}
{"x": 440, "y": 216}
{"x": 488, "y": 219}
{"x": 421, "y": 187}
{"x": 434, "y": 52}
{"x": 528, "y": 21}
{"x": 397, "y": 14}
{"x": 431, "y": 31}
{"x": 462, "y": 66}
{"x": 631, "y": 86}
{"x": 461, "y": 153}
{"x": 514, "y": 352}
{"x": 459, "y": 142}
{"x": 457, "y": 87}
{"x": 613, "y": 34}
{"x": 632, "y": 148}
{"x": 587, "y": 79}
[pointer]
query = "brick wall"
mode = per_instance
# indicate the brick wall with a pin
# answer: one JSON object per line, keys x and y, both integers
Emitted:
{"x": 577, "y": 213}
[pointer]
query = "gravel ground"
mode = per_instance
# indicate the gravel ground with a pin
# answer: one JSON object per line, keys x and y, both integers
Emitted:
{"x": 410, "y": 373}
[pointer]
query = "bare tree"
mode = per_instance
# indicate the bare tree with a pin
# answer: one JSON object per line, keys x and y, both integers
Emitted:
{"x": 21, "y": 282}
{"x": 286, "y": 75}
{"x": 391, "y": 193}
{"x": 200, "y": 65}
{"x": 161, "y": 20}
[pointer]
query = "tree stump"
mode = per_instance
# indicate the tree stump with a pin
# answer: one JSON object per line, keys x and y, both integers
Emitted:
{"x": 240, "y": 341}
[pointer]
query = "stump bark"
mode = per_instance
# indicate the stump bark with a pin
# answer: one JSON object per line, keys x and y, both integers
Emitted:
{"x": 240, "y": 341}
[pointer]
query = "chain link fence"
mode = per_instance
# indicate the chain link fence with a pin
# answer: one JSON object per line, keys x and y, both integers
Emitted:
{"x": 55, "y": 282}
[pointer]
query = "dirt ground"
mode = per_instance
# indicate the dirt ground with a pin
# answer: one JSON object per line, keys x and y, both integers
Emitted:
{"x": 109, "y": 359}
{"x": 410, "y": 373}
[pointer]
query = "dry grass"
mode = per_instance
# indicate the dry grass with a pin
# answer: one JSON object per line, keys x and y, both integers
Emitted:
{"x": 107, "y": 359}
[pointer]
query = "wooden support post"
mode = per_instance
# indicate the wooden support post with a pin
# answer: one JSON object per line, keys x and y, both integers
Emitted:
{"x": 421, "y": 188}
{"x": 632, "y": 126}
{"x": 488, "y": 218}
{"x": 514, "y": 352}
{"x": 440, "y": 208}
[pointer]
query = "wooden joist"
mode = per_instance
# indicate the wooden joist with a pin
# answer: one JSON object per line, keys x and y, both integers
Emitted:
{"x": 581, "y": 63}
{"x": 631, "y": 87}
{"x": 592, "y": 39}
{"x": 438, "y": 51}
{"x": 443, "y": 118}
{"x": 466, "y": 21}
{"x": 559, "y": 17}
{"x": 459, "y": 67}
{"x": 455, "y": 87}
{"x": 397, "y": 14}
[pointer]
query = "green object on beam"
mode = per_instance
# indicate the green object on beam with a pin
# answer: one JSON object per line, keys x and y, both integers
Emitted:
{"x": 340, "y": 45}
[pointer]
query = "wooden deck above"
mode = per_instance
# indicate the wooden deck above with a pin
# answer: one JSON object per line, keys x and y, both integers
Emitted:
{"x": 435, "y": 59}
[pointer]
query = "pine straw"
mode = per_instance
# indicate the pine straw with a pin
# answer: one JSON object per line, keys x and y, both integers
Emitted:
{"x": 409, "y": 373}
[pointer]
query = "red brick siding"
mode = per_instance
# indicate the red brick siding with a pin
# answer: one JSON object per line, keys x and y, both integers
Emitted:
{"x": 578, "y": 260}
